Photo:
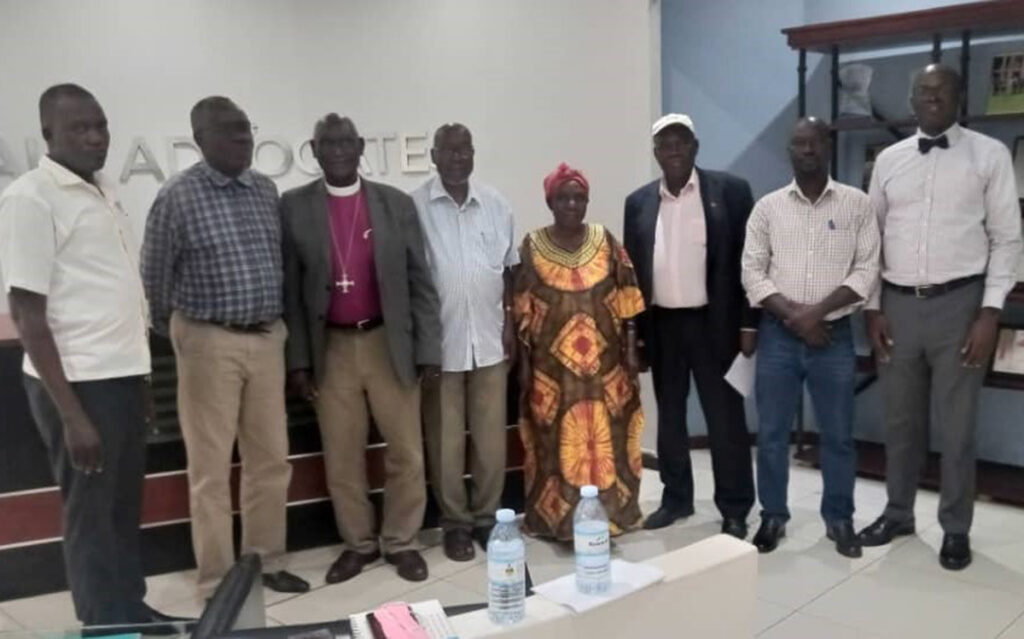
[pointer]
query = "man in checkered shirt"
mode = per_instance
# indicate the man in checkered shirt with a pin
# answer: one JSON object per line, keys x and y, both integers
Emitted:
{"x": 211, "y": 263}
{"x": 810, "y": 259}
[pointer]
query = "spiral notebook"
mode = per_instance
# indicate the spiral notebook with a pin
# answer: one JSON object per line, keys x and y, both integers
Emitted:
{"x": 430, "y": 614}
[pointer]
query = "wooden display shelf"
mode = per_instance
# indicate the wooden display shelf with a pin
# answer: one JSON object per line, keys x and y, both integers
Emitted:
{"x": 962, "y": 22}
{"x": 993, "y": 17}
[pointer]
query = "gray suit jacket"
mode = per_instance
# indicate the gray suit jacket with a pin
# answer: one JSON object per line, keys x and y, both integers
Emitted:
{"x": 408, "y": 298}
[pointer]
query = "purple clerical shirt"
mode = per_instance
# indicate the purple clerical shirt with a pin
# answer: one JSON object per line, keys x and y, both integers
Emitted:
{"x": 355, "y": 295}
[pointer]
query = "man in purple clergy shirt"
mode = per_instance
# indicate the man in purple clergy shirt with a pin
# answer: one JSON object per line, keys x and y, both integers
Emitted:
{"x": 364, "y": 328}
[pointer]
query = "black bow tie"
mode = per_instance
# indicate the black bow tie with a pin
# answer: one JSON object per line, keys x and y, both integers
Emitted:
{"x": 927, "y": 144}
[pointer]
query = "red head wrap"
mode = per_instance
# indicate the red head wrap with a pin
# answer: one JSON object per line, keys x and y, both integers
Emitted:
{"x": 564, "y": 173}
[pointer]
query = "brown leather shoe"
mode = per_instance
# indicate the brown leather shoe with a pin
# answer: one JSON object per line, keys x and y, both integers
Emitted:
{"x": 458, "y": 545}
{"x": 349, "y": 564}
{"x": 409, "y": 563}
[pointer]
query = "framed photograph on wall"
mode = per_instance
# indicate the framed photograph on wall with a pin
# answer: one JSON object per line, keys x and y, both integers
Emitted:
{"x": 1006, "y": 94}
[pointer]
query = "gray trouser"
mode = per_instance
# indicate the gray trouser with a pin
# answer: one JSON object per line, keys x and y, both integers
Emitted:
{"x": 473, "y": 400}
{"x": 101, "y": 511}
{"x": 926, "y": 369}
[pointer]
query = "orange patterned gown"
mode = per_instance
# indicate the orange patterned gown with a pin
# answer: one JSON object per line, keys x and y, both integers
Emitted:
{"x": 581, "y": 420}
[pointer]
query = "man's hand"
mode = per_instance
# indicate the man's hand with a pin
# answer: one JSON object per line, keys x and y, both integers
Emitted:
{"x": 643, "y": 363}
{"x": 809, "y": 325}
{"x": 878, "y": 333}
{"x": 148, "y": 405}
{"x": 631, "y": 359}
{"x": 300, "y": 384}
{"x": 430, "y": 373}
{"x": 83, "y": 444}
{"x": 748, "y": 343}
{"x": 508, "y": 341}
{"x": 981, "y": 338}
{"x": 524, "y": 374}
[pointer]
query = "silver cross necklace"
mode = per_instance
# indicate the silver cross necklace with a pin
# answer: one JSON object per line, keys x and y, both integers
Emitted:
{"x": 346, "y": 283}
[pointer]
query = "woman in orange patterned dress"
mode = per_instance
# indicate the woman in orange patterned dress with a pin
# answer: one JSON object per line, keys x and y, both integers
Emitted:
{"x": 581, "y": 421}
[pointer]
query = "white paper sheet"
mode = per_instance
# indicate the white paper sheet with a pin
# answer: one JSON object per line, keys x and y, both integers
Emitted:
{"x": 1009, "y": 352}
{"x": 429, "y": 613}
{"x": 627, "y": 577}
{"x": 741, "y": 374}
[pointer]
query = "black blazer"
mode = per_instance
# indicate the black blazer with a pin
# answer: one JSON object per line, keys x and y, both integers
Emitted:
{"x": 408, "y": 299}
{"x": 727, "y": 203}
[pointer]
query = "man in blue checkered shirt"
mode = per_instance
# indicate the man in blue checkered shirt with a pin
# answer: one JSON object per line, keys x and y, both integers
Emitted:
{"x": 211, "y": 264}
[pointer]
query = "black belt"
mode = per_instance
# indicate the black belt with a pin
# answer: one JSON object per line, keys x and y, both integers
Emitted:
{"x": 361, "y": 325}
{"x": 933, "y": 290}
{"x": 259, "y": 327}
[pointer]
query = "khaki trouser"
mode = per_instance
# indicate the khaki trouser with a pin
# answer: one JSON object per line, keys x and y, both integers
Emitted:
{"x": 359, "y": 372}
{"x": 231, "y": 385}
{"x": 473, "y": 400}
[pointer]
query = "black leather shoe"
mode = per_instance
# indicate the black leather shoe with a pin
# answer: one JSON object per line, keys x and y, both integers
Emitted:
{"x": 956, "y": 552}
{"x": 349, "y": 564}
{"x": 734, "y": 526}
{"x": 768, "y": 535}
{"x": 283, "y": 581}
{"x": 146, "y": 621}
{"x": 458, "y": 545}
{"x": 847, "y": 543}
{"x": 883, "y": 531}
{"x": 665, "y": 516}
{"x": 154, "y": 616}
{"x": 409, "y": 564}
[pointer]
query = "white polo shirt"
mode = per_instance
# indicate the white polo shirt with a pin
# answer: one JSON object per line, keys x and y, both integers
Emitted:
{"x": 69, "y": 240}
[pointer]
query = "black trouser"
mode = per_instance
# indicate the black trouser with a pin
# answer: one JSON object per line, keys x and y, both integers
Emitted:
{"x": 682, "y": 342}
{"x": 102, "y": 510}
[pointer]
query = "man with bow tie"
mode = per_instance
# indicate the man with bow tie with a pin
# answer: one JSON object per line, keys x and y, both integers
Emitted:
{"x": 947, "y": 208}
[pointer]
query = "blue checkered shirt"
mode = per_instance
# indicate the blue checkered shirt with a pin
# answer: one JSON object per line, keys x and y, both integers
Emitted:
{"x": 213, "y": 249}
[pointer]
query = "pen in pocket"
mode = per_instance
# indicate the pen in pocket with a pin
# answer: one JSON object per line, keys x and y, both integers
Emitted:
{"x": 831, "y": 225}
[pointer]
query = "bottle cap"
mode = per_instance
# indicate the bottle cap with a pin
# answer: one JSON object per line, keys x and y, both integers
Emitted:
{"x": 588, "y": 491}
{"x": 505, "y": 516}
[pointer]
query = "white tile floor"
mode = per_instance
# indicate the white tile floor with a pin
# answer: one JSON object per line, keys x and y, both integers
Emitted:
{"x": 806, "y": 590}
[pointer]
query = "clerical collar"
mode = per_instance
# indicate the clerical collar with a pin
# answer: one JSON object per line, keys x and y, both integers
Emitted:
{"x": 344, "y": 191}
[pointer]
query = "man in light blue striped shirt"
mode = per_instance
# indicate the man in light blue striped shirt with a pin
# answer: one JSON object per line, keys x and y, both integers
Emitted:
{"x": 470, "y": 237}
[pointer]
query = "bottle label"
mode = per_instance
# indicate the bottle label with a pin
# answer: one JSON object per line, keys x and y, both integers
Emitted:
{"x": 506, "y": 571}
{"x": 592, "y": 552}
{"x": 592, "y": 542}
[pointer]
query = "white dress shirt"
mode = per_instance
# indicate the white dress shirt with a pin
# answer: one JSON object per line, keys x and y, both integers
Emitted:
{"x": 69, "y": 240}
{"x": 806, "y": 250}
{"x": 948, "y": 214}
{"x": 468, "y": 249}
{"x": 681, "y": 248}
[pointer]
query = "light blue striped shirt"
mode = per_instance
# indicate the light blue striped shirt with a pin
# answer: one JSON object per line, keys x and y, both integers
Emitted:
{"x": 468, "y": 249}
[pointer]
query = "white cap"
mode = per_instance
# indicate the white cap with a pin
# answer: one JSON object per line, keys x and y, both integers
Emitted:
{"x": 588, "y": 491}
{"x": 670, "y": 120}
{"x": 505, "y": 516}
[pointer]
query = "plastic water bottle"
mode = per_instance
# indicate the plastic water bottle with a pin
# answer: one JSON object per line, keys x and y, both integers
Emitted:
{"x": 593, "y": 544}
{"x": 506, "y": 571}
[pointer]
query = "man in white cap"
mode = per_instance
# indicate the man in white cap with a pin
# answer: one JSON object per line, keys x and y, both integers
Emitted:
{"x": 685, "y": 233}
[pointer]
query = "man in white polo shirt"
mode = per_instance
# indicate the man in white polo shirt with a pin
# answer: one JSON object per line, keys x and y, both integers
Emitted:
{"x": 72, "y": 280}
